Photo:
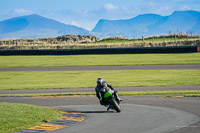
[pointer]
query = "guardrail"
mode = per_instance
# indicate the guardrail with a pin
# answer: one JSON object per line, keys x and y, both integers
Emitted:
{"x": 143, "y": 50}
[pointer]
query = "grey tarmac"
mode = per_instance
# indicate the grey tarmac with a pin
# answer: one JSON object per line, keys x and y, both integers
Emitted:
{"x": 133, "y": 118}
{"x": 68, "y": 90}
{"x": 147, "y": 113}
{"x": 93, "y": 68}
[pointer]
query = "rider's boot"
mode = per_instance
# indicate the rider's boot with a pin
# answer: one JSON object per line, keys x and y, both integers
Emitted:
{"x": 108, "y": 107}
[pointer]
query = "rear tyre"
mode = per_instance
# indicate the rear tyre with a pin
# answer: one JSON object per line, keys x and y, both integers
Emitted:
{"x": 115, "y": 105}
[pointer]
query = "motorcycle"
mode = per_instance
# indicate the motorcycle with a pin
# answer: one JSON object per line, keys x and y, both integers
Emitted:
{"x": 112, "y": 101}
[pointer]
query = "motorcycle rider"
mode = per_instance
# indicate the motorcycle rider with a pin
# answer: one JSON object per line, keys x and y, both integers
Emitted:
{"x": 101, "y": 88}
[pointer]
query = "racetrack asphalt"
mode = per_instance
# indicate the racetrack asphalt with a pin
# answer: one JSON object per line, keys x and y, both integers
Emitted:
{"x": 90, "y": 68}
{"x": 178, "y": 115}
{"x": 68, "y": 90}
{"x": 140, "y": 114}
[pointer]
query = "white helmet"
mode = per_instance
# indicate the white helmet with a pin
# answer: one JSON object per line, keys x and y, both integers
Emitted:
{"x": 99, "y": 81}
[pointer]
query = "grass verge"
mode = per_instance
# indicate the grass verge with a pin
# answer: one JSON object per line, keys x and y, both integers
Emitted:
{"x": 15, "y": 117}
{"x": 192, "y": 95}
{"x": 164, "y": 38}
{"x": 99, "y": 60}
{"x": 87, "y": 79}
{"x": 121, "y": 93}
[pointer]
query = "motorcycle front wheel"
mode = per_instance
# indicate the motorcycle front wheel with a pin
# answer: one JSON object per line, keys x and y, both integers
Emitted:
{"x": 115, "y": 105}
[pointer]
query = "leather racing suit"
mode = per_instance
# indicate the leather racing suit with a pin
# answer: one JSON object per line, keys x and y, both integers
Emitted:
{"x": 101, "y": 89}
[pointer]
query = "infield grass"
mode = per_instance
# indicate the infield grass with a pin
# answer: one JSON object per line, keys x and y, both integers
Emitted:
{"x": 84, "y": 79}
{"x": 99, "y": 60}
{"x": 15, "y": 117}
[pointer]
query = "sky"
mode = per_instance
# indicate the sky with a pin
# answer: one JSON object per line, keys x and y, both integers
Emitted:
{"x": 86, "y": 13}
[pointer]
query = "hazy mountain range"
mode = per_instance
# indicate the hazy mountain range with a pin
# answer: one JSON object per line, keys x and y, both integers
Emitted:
{"x": 150, "y": 24}
{"x": 35, "y": 26}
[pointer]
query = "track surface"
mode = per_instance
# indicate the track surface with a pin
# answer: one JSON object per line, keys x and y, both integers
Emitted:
{"x": 89, "y": 68}
{"x": 140, "y": 114}
{"x": 134, "y": 115}
{"x": 134, "y": 118}
{"x": 149, "y": 88}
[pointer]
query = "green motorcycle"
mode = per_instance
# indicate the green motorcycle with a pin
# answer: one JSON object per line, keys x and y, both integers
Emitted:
{"x": 112, "y": 101}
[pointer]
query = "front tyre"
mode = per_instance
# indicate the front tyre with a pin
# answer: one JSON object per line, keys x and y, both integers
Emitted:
{"x": 115, "y": 105}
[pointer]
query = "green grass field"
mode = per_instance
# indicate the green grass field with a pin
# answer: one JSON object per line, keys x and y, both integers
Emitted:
{"x": 15, "y": 117}
{"x": 99, "y": 60}
{"x": 156, "y": 39}
{"x": 83, "y": 79}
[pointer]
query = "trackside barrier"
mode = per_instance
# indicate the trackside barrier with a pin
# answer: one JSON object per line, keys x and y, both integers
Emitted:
{"x": 143, "y": 50}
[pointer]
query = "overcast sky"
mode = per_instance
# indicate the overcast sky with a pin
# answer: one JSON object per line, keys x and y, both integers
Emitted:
{"x": 86, "y": 13}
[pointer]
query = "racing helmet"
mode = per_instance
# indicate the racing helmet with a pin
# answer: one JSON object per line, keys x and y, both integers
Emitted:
{"x": 99, "y": 81}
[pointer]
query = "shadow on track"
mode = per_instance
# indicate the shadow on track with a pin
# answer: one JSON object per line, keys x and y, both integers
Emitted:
{"x": 96, "y": 112}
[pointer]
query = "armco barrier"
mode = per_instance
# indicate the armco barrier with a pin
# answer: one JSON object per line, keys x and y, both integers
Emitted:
{"x": 144, "y": 50}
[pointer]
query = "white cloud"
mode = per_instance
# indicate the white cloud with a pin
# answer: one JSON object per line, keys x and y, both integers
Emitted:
{"x": 14, "y": 13}
{"x": 22, "y": 11}
{"x": 186, "y": 8}
{"x": 75, "y": 23}
{"x": 109, "y": 6}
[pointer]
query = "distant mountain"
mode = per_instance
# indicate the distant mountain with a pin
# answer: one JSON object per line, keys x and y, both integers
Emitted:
{"x": 149, "y": 24}
{"x": 35, "y": 26}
